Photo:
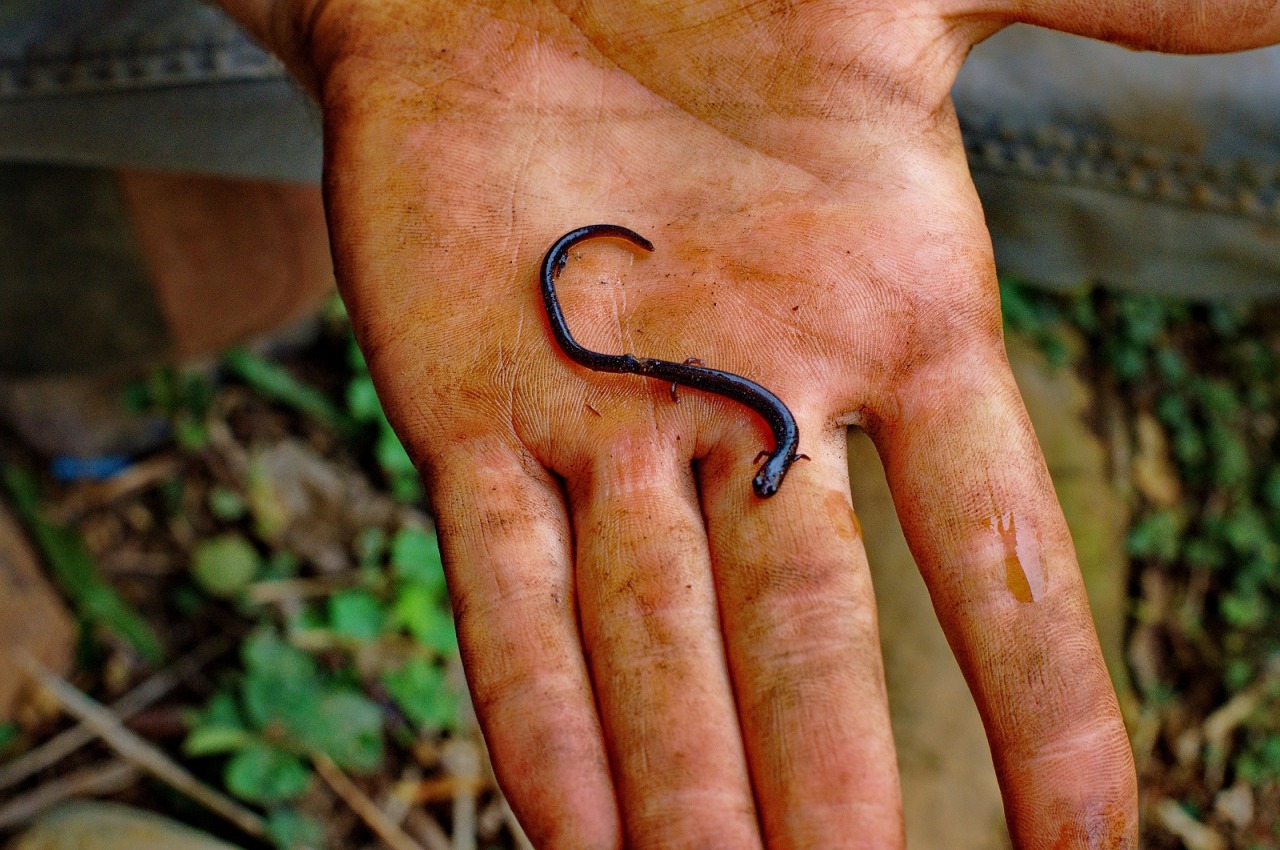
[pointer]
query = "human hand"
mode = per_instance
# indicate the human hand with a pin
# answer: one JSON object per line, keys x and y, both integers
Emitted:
{"x": 655, "y": 653}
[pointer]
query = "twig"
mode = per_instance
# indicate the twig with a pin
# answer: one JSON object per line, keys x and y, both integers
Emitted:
{"x": 144, "y": 695}
{"x": 137, "y": 478}
{"x": 1220, "y": 725}
{"x": 423, "y": 825}
{"x": 442, "y": 788}
{"x": 283, "y": 590}
{"x": 398, "y": 799}
{"x": 92, "y": 781}
{"x": 463, "y": 763}
{"x": 517, "y": 831}
{"x": 142, "y": 753}
{"x": 368, "y": 811}
{"x": 1194, "y": 834}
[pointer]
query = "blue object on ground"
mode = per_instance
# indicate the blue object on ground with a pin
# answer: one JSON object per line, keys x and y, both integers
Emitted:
{"x": 68, "y": 468}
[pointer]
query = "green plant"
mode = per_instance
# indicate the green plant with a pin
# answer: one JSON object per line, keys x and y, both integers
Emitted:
{"x": 363, "y": 406}
{"x": 283, "y": 709}
{"x": 181, "y": 396}
{"x": 275, "y": 382}
{"x": 95, "y": 600}
{"x": 224, "y": 565}
{"x": 9, "y": 732}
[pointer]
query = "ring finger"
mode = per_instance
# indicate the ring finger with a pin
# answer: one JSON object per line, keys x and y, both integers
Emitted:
{"x": 652, "y": 634}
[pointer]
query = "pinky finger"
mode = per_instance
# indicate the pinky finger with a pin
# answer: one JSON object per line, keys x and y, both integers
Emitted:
{"x": 505, "y": 539}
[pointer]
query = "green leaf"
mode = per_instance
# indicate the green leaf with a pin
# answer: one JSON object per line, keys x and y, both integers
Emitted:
{"x": 281, "y": 564}
{"x": 348, "y": 730}
{"x": 1171, "y": 365}
{"x": 278, "y": 384}
{"x": 172, "y": 392}
{"x": 75, "y": 570}
{"x": 1260, "y": 763}
{"x": 1246, "y": 610}
{"x": 221, "y": 710}
{"x": 191, "y": 434}
{"x": 1225, "y": 319}
{"x": 136, "y": 397}
{"x": 1142, "y": 318}
{"x": 1015, "y": 305}
{"x": 1128, "y": 361}
{"x": 306, "y": 618}
{"x": 395, "y": 463}
{"x": 283, "y": 690}
{"x": 356, "y": 614}
{"x": 1219, "y": 398}
{"x": 1271, "y": 488}
{"x": 1205, "y": 554}
{"x": 415, "y": 557}
{"x": 281, "y": 685}
{"x": 1081, "y": 311}
{"x": 188, "y": 601}
{"x": 1173, "y": 410}
{"x": 362, "y": 400}
{"x": 406, "y": 489}
{"x": 226, "y": 504}
{"x": 9, "y": 732}
{"x": 1189, "y": 446}
{"x": 418, "y": 610}
{"x": 1247, "y": 532}
{"x": 265, "y": 774}
{"x": 290, "y": 830}
{"x": 1157, "y": 535}
{"x": 421, "y": 691}
{"x": 1238, "y": 675}
{"x": 224, "y": 565}
{"x": 355, "y": 358}
{"x": 215, "y": 740}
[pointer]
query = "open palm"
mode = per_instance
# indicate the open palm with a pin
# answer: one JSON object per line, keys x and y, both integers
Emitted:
{"x": 658, "y": 657}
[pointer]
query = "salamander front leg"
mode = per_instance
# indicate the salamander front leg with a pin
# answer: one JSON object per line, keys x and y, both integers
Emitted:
{"x": 689, "y": 361}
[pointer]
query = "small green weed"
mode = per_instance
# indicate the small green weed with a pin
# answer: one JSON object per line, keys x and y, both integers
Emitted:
{"x": 95, "y": 600}
{"x": 9, "y": 733}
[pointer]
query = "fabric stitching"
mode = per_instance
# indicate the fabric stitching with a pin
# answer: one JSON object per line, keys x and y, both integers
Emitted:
{"x": 222, "y": 60}
{"x": 1067, "y": 156}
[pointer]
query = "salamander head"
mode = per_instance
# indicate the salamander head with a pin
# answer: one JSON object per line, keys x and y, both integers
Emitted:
{"x": 769, "y": 478}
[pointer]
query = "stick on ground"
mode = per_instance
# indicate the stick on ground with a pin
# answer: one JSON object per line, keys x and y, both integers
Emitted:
{"x": 139, "y": 752}
{"x": 385, "y": 828}
{"x": 93, "y": 781}
{"x": 144, "y": 695}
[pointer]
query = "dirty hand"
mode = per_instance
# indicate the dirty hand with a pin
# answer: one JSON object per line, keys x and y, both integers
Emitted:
{"x": 657, "y": 655}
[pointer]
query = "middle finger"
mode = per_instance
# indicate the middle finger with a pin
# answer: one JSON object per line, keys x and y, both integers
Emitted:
{"x": 800, "y": 629}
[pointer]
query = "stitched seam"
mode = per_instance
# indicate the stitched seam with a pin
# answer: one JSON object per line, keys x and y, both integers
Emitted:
{"x": 222, "y": 60}
{"x": 1068, "y": 156}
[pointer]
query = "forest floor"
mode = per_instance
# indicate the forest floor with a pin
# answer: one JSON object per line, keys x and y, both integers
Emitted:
{"x": 259, "y": 603}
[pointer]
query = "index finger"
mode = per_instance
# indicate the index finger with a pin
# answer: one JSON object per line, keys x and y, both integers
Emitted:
{"x": 979, "y": 511}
